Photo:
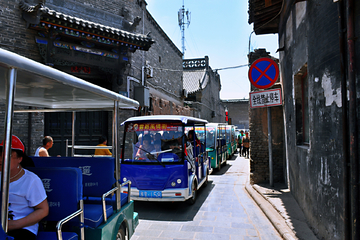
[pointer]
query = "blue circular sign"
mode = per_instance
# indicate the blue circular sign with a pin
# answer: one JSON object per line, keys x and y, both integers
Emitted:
{"x": 263, "y": 73}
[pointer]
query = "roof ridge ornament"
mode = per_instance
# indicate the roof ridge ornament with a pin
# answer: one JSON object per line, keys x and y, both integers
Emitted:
{"x": 32, "y": 13}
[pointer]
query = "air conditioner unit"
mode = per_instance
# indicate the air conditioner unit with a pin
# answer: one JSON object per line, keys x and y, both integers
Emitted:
{"x": 142, "y": 95}
{"x": 149, "y": 72}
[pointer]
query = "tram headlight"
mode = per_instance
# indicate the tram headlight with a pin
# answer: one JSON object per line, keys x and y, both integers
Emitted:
{"x": 178, "y": 181}
{"x": 124, "y": 179}
{"x": 173, "y": 184}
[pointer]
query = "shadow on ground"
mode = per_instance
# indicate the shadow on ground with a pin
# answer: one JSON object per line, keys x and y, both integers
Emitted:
{"x": 173, "y": 211}
{"x": 282, "y": 200}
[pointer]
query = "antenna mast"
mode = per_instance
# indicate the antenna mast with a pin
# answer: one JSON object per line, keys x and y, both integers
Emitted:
{"x": 182, "y": 14}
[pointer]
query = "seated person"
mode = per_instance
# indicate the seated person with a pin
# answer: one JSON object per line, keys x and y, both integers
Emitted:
{"x": 144, "y": 148}
{"x": 27, "y": 197}
{"x": 103, "y": 143}
{"x": 157, "y": 148}
{"x": 158, "y": 137}
{"x": 191, "y": 135}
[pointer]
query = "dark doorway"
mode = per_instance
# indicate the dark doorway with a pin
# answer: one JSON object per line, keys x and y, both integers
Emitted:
{"x": 89, "y": 126}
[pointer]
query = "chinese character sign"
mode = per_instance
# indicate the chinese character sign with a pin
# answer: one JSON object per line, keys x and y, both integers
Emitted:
{"x": 267, "y": 98}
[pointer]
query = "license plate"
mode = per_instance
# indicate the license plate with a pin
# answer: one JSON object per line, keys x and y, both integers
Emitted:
{"x": 150, "y": 194}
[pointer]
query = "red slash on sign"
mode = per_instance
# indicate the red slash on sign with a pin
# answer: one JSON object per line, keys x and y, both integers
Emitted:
{"x": 263, "y": 73}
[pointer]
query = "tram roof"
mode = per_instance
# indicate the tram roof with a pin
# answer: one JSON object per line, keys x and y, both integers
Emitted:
{"x": 179, "y": 118}
{"x": 217, "y": 124}
{"x": 38, "y": 85}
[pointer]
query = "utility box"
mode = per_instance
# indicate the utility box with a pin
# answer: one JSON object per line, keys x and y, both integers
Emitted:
{"x": 142, "y": 95}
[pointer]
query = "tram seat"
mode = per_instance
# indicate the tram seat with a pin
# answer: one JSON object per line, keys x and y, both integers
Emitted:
{"x": 110, "y": 200}
{"x": 98, "y": 178}
{"x": 64, "y": 191}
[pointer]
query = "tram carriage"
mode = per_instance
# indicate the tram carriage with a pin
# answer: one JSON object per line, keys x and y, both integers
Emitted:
{"x": 230, "y": 140}
{"x": 83, "y": 202}
{"x": 216, "y": 144}
{"x": 161, "y": 161}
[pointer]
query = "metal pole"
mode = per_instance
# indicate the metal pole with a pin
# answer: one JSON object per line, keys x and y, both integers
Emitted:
{"x": 345, "y": 131}
{"x": 116, "y": 152}
{"x": 271, "y": 172}
{"x": 73, "y": 134}
{"x": 354, "y": 157}
{"x": 5, "y": 176}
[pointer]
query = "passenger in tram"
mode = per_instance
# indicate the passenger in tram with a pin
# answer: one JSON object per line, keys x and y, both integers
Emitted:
{"x": 102, "y": 143}
{"x": 137, "y": 145}
{"x": 191, "y": 135}
{"x": 157, "y": 148}
{"x": 27, "y": 197}
{"x": 157, "y": 137}
{"x": 42, "y": 151}
{"x": 145, "y": 148}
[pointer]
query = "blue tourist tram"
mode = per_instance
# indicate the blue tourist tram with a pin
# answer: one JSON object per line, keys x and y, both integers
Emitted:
{"x": 84, "y": 195}
{"x": 230, "y": 140}
{"x": 162, "y": 160}
{"x": 216, "y": 144}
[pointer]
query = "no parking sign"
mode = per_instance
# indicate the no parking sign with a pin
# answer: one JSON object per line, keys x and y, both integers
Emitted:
{"x": 263, "y": 73}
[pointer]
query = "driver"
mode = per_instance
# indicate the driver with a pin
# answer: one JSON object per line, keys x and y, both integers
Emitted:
{"x": 145, "y": 148}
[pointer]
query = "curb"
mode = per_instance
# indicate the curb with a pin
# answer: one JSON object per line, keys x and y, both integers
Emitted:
{"x": 275, "y": 218}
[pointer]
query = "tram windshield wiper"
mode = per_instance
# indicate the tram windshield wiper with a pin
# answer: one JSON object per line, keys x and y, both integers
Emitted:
{"x": 153, "y": 156}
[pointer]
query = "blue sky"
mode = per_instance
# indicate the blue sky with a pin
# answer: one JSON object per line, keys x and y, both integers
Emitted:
{"x": 220, "y": 30}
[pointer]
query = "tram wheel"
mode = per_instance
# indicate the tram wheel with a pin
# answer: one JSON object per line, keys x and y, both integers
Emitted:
{"x": 192, "y": 200}
{"x": 120, "y": 234}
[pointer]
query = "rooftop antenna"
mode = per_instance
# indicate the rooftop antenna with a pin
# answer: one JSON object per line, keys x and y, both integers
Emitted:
{"x": 184, "y": 19}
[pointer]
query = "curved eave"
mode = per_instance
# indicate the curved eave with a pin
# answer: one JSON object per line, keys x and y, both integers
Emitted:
{"x": 54, "y": 18}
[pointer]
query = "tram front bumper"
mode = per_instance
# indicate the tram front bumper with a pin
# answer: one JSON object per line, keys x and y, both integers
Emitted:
{"x": 167, "y": 195}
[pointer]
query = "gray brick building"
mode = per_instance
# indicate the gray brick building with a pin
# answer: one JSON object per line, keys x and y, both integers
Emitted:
{"x": 319, "y": 57}
{"x": 238, "y": 112}
{"x": 202, "y": 85}
{"x": 116, "y": 45}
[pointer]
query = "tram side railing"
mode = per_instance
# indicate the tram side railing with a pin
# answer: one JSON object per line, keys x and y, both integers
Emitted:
{"x": 84, "y": 147}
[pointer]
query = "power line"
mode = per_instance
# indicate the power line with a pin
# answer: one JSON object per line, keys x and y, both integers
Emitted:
{"x": 225, "y": 68}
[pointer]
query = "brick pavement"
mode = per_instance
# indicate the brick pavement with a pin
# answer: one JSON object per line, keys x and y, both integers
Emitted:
{"x": 223, "y": 210}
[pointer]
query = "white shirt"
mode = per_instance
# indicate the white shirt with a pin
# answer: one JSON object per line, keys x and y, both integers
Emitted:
{"x": 38, "y": 150}
{"x": 24, "y": 194}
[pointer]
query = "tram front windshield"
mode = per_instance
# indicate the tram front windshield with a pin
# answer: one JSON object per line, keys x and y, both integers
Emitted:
{"x": 210, "y": 137}
{"x": 153, "y": 143}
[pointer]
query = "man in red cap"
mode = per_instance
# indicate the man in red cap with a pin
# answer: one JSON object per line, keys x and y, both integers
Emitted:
{"x": 27, "y": 197}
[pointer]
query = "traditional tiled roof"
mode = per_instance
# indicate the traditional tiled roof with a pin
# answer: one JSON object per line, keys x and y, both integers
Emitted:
{"x": 265, "y": 15}
{"x": 195, "y": 80}
{"x": 51, "y": 18}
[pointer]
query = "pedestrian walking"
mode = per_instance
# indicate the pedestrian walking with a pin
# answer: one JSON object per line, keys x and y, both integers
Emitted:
{"x": 246, "y": 144}
{"x": 240, "y": 136}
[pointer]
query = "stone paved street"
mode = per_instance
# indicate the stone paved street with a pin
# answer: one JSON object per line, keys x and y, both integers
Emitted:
{"x": 223, "y": 210}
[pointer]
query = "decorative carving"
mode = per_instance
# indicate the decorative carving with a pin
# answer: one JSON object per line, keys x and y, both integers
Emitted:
{"x": 194, "y": 63}
{"x": 32, "y": 13}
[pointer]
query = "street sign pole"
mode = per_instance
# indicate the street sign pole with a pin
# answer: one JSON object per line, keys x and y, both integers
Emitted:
{"x": 263, "y": 73}
{"x": 271, "y": 172}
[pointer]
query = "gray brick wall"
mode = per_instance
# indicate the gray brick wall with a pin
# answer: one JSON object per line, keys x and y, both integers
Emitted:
{"x": 164, "y": 56}
{"x": 238, "y": 111}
